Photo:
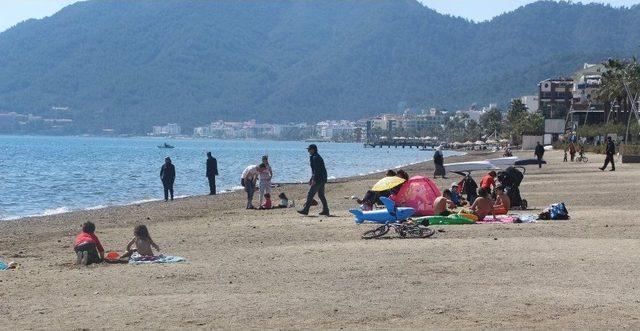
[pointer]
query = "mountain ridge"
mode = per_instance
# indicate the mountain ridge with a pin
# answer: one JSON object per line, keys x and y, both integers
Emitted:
{"x": 132, "y": 64}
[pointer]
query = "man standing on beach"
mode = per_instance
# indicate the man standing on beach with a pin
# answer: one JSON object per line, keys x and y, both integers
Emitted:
{"x": 168, "y": 176}
{"x": 438, "y": 162}
{"x": 317, "y": 182}
{"x": 539, "y": 153}
{"x": 248, "y": 181}
{"x": 212, "y": 172}
{"x": 610, "y": 151}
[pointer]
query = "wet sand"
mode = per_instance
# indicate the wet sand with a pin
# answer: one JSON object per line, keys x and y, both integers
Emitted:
{"x": 277, "y": 269}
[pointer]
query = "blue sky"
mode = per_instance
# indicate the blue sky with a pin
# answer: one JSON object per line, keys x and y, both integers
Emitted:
{"x": 15, "y": 11}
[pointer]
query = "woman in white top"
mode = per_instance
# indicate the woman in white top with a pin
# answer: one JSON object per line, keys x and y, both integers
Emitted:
{"x": 265, "y": 178}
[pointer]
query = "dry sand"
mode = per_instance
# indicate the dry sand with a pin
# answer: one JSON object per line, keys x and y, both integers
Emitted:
{"x": 276, "y": 269}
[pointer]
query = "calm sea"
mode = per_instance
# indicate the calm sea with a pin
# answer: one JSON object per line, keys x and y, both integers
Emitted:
{"x": 49, "y": 175}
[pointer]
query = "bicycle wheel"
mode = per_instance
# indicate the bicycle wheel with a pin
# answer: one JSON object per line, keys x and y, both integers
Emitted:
{"x": 420, "y": 231}
{"x": 585, "y": 159}
{"x": 376, "y": 233}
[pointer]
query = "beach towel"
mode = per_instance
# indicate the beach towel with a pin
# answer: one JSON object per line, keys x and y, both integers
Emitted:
{"x": 3, "y": 266}
{"x": 500, "y": 219}
{"x": 528, "y": 218}
{"x": 140, "y": 259}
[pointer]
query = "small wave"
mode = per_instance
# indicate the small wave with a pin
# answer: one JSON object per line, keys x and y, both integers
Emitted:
{"x": 137, "y": 202}
{"x": 55, "y": 211}
{"x": 96, "y": 207}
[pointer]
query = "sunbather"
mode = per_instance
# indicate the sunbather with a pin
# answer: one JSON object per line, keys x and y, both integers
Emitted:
{"x": 142, "y": 241}
{"x": 483, "y": 205}
{"x": 442, "y": 203}
{"x": 503, "y": 202}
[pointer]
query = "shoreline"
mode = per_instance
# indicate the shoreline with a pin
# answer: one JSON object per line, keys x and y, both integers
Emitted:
{"x": 62, "y": 210}
{"x": 275, "y": 269}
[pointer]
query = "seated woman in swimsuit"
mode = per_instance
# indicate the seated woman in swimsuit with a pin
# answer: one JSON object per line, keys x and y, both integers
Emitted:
{"x": 483, "y": 205}
{"x": 502, "y": 202}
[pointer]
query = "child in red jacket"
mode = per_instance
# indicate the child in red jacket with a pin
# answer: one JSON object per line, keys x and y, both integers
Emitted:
{"x": 87, "y": 246}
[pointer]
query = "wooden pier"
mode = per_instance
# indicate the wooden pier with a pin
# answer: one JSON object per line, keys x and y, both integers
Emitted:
{"x": 404, "y": 143}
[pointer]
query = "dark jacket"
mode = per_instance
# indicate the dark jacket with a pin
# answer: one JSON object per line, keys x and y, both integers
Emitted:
{"x": 318, "y": 171}
{"x": 438, "y": 158}
{"x": 611, "y": 148}
{"x": 168, "y": 173}
{"x": 212, "y": 167}
{"x": 539, "y": 151}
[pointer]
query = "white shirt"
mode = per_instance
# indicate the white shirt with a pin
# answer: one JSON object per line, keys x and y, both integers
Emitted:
{"x": 250, "y": 173}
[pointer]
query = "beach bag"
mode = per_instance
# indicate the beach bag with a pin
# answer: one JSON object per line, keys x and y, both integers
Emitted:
{"x": 558, "y": 211}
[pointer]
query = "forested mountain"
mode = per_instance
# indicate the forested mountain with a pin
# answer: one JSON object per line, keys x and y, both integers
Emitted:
{"x": 129, "y": 64}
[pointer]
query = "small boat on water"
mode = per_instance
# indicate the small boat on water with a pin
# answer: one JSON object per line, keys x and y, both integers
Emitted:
{"x": 165, "y": 145}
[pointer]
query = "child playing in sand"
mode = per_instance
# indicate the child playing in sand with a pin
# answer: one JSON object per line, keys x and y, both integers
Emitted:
{"x": 483, "y": 205}
{"x": 143, "y": 242}
{"x": 87, "y": 246}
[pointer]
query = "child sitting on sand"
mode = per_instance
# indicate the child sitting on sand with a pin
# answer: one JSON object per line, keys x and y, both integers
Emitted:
{"x": 87, "y": 246}
{"x": 483, "y": 205}
{"x": 267, "y": 202}
{"x": 143, "y": 242}
{"x": 284, "y": 201}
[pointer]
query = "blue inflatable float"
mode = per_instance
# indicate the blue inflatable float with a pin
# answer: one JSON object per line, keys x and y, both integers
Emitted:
{"x": 391, "y": 214}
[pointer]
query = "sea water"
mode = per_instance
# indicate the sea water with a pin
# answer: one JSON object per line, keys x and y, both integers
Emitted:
{"x": 50, "y": 175}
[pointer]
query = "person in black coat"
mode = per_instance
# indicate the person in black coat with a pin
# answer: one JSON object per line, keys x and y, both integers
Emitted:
{"x": 212, "y": 172}
{"x": 317, "y": 182}
{"x": 610, "y": 151}
{"x": 539, "y": 153}
{"x": 168, "y": 176}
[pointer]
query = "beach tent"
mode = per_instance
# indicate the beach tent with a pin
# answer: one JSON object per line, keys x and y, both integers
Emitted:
{"x": 418, "y": 193}
{"x": 387, "y": 183}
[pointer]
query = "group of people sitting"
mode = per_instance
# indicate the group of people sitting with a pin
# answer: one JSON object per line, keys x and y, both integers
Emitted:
{"x": 484, "y": 203}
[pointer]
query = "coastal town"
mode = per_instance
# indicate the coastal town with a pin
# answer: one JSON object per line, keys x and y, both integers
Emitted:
{"x": 569, "y": 101}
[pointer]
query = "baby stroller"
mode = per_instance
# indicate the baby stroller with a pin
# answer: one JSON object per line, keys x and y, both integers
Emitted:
{"x": 511, "y": 178}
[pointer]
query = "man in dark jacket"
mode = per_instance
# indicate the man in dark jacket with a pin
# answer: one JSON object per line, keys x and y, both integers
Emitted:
{"x": 168, "y": 176}
{"x": 212, "y": 172}
{"x": 539, "y": 152}
{"x": 317, "y": 182}
{"x": 610, "y": 151}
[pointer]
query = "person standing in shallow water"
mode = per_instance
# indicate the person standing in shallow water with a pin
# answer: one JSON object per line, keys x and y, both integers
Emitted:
{"x": 168, "y": 176}
{"x": 317, "y": 182}
{"x": 212, "y": 172}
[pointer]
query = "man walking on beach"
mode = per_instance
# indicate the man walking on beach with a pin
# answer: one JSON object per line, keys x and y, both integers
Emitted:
{"x": 610, "y": 151}
{"x": 212, "y": 172}
{"x": 317, "y": 182}
{"x": 168, "y": 176}
{"x": 539, "y": 153}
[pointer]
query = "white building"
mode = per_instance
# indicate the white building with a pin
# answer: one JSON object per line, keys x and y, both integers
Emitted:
{"x": 532, "y": 102}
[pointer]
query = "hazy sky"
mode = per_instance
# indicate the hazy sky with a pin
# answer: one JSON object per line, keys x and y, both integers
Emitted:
{"x": 15, "y": 11}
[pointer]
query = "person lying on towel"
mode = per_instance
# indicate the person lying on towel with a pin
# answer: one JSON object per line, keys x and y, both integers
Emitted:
{"x": 502, "y": 202}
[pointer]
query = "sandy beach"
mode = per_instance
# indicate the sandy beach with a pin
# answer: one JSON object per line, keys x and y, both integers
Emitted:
{"x": 279, "y": 270}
